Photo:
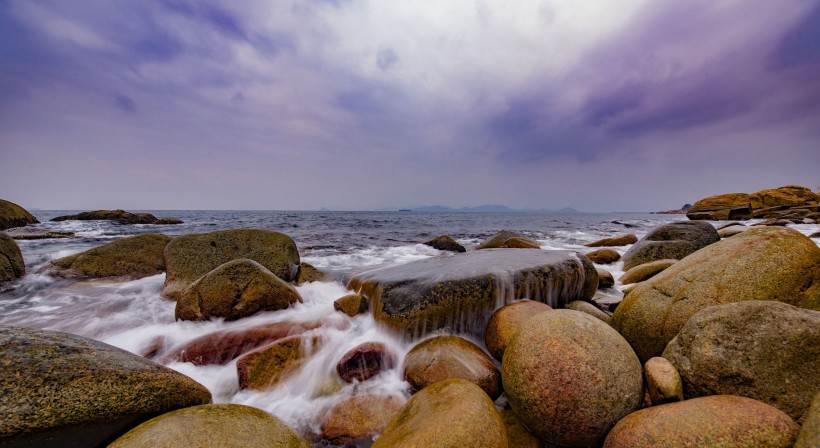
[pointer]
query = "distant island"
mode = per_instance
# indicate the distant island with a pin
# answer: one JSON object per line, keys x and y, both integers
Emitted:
{"x": 486, "y": 209}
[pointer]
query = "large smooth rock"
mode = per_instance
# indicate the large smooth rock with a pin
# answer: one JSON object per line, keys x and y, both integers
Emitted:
{"x": 670, "y": 241}
{"x": 191, "y": 256}
{"x": 506, "y": 321}
{"x": 604, "y": 256}
{"x": 768, "y": 263}
{"x": 118, "y": 216}
{"x": 769, "y": 351}
{"x": 718, "y": 421}
{"x": 212, "y": 425}
{"x": 12, "y": 265}
{"x": 58, "y": 389}
{"x": 365, "y": 361}
{"x": 451, "y": 357}
{"x": 809, "y": 436}
{"x": 787, "y": 196}
{"x": 234, "y": 290}
{"x": 570, "y": 377}
{"x": 12, "y": 215}
{"x": 460, "y": 291}
{"x": 134, "y": 257}
{"x": 359, "y": 418}
{"x": 615, "y": 241}
{"x": 448, "y": 414}
{"x": 446, "y": 242}
{"x": 722, "y": 207}
{"x": 645, "y": 271}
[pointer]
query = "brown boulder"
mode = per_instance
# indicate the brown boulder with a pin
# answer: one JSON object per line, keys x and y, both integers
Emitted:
{"x": 365, "y": 361}
{"x": 809, "y": 436}
{"x": 520, "y": 243}
{"x": 446, "y": 242}
{"x": 722, "y": 207}
{"x": 517, "y": 433}
{"x": 12, "y": 215}
{"x": 588, "y": 308}
{"x": 787, "y": 196}
{"x": 498, "y": 240}
{"x": 12, "y": 265}
{"x": 266, "y": 367}
{"x": 351, "y": 304}
{"x": 604, "y": 256}
{"x": 615, "y": 241}
{"x": 675, "y": 240}
{"x": 506, "y": 321}
{"x": 605, "y": 279}
{"x": 359, "y": 418}
{"x": 662, "y": 381}
{"x": 134, "y": 257}
{"x": 645, "y": 271}
{"x": 308, "y": 273}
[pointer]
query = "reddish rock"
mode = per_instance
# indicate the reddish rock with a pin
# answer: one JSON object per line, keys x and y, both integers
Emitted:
{"x": 506, "y": 321}
{"x": 604, "y": 256}
{"x": 365, "y": 361}
{"x": 265, "y": 367}
{"x": 359, "y": 417}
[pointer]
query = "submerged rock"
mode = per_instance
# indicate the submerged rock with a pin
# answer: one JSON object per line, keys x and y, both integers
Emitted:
{"x": 448, "y": 414}
{"x": 12, "y": 265}
{"x": 65, "y": 390}
{"x": 265, "y": 367}
{"x": 12, "y": 215}
{"x": 506, "y": 321}
{"x": 767, "y": 263}
{"x": 720, "y": 420}
{"x": 446, "y": 242}
{"x": 459, "y": 291}
{"x": 118, "y": 216}
{"x": 212, "y": 425}
{"x": 191, "y": 256}
{"x": 569, "y": 377}
{"x": 615, "y": 241}
{"x": 359, "y": 418}
{"x": 134, "y": 257}
{"x": 234, "y": 290}
{"x": 769, "y": 351}
{"x": 675, "y": 240}
{"x": 365, "y": 361}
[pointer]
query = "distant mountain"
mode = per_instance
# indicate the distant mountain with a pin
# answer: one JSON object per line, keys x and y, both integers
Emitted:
{"x": 490, "y": 209}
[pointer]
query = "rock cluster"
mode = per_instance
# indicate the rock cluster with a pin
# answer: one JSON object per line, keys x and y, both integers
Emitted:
{"x": 790, "y": 202}
{"x": 119, "y": 217}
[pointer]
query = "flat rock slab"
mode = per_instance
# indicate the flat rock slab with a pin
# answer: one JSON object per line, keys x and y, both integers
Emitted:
{"x": 460, "y": 291}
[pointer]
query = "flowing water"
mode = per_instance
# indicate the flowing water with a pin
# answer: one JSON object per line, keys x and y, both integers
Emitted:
{"x": 133, "y": 316}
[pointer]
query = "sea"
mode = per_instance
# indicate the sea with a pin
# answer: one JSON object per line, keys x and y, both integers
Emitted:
{"x": 133, "y": 316}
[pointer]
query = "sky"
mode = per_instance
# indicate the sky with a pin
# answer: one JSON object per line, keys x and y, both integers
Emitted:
{"x": 634, "y": 105}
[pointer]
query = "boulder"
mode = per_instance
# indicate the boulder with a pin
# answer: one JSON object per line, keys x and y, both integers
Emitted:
{"x": 809, "y": 436}
{"x": 498, "y": 240}
{"x": 365, "y": 361}
{"x": 787, "y": 196}
{"x": 212, "y": 425}
{"x": 446, "y": 242}
{"x": 662, "y": 381}
{"x": 517, "y": 434}
{"x": 588, "y": 308}
{"x": 234, "y": 290}
{"x": 62, "y": 390}
{"x": 670, "y": 241}
{"x": 732, "y": 231}
{"x": 645, "y": 271}
{"x": 520, "y": 243}
{"x": 12, "y": 215}
{"x": 133, "y": 257}
{"x": 767, "y": 263}
{"x": 769, "y": 351}
{"x": 506, "y": 321}
{"x": 266, "y": 367}
{"x": 359, "y": 418}
{"x": 605, "y": 279}
{"x": 722, "y": 207}
{"x": 569, "y": 377}
{"x": 451, "y": 357}
{"x": 720, "y": 421}
{"x": 308, "y": 273}
{"x": 32, "y": 233}
{"x": 604, "y": 256}
{"x": 448, "y": 414}
{"x": 12, "y": 265}
{"x": 351, "y": 304}
{"x": 459, "y": 291}
{"x": 119, "y": 217}
{"x": 191, "y": 256}
{"x": 615, "y": 241}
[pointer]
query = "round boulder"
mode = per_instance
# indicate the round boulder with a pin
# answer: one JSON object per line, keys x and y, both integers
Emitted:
{"x": 358, "y": 418}
{"x": 235, "y": 290}
{"x": 645, "y": 271}
{"x": 675, "y": 240}
{"x": 365, "y": 361}
{"x": 222, "y": 425}
{"x": 769, "y": 351}
{"x": 351, "y": 304}
{"x": 134, "y": 257}
{"x": 588, "y": 308}
{"x": 12, "y": 265}
{"x": 498, "y": 240}
{"x": 451, "y": 357}
{"x": 720, "y": 420}
{"x": 620, "y": 240}
{"x": 604, "y": 256}
{"x": 605, "y": 279}
{"x": 520, "y": 243}
{"x": 662, "y": 381}
{"x": 12, "y": 215}
{"x": 452, "y": 413}
{"x": 446, "y": 242}
{"x": 570, "y": 377}
{"x": 506, "y": 321}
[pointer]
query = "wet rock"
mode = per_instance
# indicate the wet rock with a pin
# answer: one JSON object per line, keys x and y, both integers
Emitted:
{"x": 448, "y": 414}
{"x": 460, "y": 290}
{"x": 133, "y": 257}
{"x": 768, "y": 263}
{"x": 815, "y": 235}
{"x": 119, "y": 217}
{"x": 12, "y": 215}
{"x": 615, "y": 241}
{"x": 675, "y": 240}
{"x": 351, "y": 304}
{"x": 191, "y": 256}
{"x": 506, "y": 321}
{"x": 720, "y": 420}
{"x": 787, "y": 196}
{"x": 769, "y": 351}
{"x": 588, "y": 308}
{"x": 809, "y": 436}
{"x": 517, "y": 434}
{"x": 446, "y": 242}
{"x": 722, "y": 207}
{"x": 605, "y": 279}
{"x": 498, "y": 240}
{"x": 63, "y": 390}
{"x": 365, "y": 361}
{"x": 266, "y": 367}
{"x": 12, "y": 265}
{"x": 212, "y": 425}
{"x": 520, "y": 243}
{"x": 569, "y": 377}
{"x": 732, "y": 231}
{"x": 308, "y": 273}
{"x": 234, "y": 290}
{"x": 359, "y": 418}
{"x": 645, "y": 271}
{"x": 30, "y": 233}
{"x": 604, "y": 256}
{"x": 451, "y": 357}
{"x": 662, "y": 381}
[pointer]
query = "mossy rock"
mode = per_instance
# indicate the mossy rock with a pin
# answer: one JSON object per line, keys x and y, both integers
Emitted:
{"x": 446, "y": 242}
{"x": 506, "y": 321}
{"x": 767, "y": 263}
{"x": 61, "y": 390}
{"x": 12, "y": 215}
{"x": 12, "y": 265}
{"x": 236, "y": 289}
{"x": 359, "y": 418}
{"x": 645, "y": 271}
{"x": 718, "y": 421}
{"x": 615, "y": 241}
{"x": 212, "y": 425}
{"x": 675, "y": 240}
{"x": 191, "y": 256}
{"x": 134, "y": 257}
{"x": 787, "y": 196}
{"x": 448, "y": 414}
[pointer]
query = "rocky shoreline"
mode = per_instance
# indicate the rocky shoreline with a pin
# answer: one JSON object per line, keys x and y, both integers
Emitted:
{"x": 717, "y": 343}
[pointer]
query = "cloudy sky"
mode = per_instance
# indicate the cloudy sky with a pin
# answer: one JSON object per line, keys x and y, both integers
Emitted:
{"x": 361, "y": 104}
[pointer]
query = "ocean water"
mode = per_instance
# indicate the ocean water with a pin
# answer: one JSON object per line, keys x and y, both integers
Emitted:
{"x": 133, "y": 316}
